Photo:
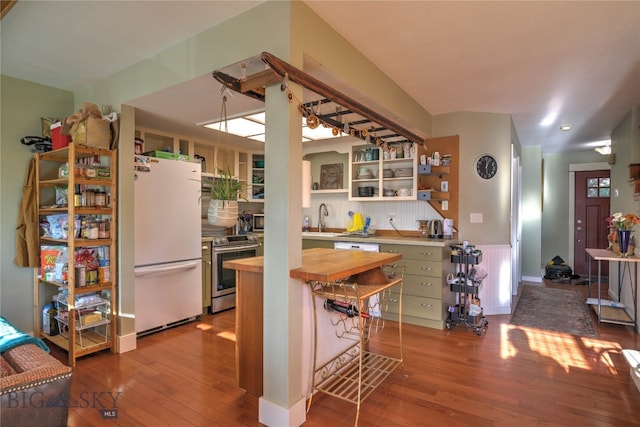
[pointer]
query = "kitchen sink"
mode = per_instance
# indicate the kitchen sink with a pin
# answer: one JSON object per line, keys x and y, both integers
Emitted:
{"x": 334, "y": 234}
{"x": 321, "y": 234}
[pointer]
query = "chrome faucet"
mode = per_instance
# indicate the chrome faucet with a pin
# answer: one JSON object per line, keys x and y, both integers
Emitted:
{"x": 322, "y": 212}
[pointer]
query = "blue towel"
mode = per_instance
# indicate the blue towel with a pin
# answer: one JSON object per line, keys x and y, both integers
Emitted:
{"x": 11, "y": 337}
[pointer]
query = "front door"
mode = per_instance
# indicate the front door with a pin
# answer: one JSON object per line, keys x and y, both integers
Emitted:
{"x": 592, "y": 198}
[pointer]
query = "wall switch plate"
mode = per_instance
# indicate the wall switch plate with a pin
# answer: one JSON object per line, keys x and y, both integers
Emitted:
{"x": 445, "y": 205}
{"x": 475, "y": 218}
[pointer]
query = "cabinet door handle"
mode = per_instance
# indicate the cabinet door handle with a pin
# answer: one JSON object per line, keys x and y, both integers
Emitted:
{"x": 393, "y": 300}
{"x": 426, "y": 268}
{"x": 427, "y": 305}
{"x": 204, "y": 248}
{"x": 392, "y": 251}
{"x": 426, "y": 253}
{"x": 426, "y": 284}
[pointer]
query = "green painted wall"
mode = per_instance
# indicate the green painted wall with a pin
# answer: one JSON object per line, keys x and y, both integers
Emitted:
{"x": 481, "y": 133}
{"x": 531, "y": 211}
{"x": 625, "y": 143}
{"x": 555, "y": 210}
{"x": 22, "y": 105}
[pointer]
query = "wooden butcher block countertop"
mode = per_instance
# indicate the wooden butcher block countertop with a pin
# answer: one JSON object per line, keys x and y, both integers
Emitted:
{"x": 323, "y": 264}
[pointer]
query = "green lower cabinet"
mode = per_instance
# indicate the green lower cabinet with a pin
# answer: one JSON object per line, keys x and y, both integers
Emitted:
{"x": 425, "y": 294}
{"x": 260, "y": 250}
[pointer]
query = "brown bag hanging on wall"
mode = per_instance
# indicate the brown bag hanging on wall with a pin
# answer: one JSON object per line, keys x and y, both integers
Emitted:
{"x": 28, "y": 228}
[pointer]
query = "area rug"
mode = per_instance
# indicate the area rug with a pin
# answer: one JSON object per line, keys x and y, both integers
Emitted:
{"x": 555, "y": 310}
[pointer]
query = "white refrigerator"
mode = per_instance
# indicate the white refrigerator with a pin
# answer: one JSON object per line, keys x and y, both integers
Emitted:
{"x": 168, "y": 252}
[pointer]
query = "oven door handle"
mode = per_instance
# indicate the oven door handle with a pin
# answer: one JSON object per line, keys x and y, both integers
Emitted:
{"x": 159, "y": 269}
{"x": 227, "y": 249}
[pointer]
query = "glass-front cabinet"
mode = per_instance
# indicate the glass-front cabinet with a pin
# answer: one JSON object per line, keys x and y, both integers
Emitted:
{"x": 383, "y": 173}
{"x": 256, "y": 166}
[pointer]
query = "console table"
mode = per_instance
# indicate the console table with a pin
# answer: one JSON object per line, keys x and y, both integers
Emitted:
{"x": 612, "y": 314}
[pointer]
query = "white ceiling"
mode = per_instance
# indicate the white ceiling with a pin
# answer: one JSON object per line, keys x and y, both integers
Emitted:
{"x": 572, "y": 61}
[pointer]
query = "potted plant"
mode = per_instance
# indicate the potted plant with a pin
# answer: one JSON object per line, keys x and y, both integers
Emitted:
{"x": 623, "y": 225}
{"x": 225, "y": 191}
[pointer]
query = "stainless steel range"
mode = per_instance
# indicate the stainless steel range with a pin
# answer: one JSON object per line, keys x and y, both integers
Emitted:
{"x": 223, "y": 280}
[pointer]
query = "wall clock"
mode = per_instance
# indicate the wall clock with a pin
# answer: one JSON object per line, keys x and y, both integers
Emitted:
{"x": 486, "y": 166}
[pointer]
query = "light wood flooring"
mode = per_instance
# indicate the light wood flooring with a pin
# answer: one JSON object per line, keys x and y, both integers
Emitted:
{"x": 509, "y": 376}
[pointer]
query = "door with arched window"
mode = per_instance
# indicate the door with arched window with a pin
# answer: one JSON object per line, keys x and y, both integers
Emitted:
{"x": 592, "y": 207}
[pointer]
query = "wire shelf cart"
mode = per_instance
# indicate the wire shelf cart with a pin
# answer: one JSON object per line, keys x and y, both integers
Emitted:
{"x": 466, "y": 284}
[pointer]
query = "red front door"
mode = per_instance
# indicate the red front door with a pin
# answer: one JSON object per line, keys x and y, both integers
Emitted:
{"x": 592, "y": 196}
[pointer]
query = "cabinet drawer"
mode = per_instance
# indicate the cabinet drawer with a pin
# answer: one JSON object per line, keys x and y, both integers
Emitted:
{"x": 425, "y": 253}
{"x": 424, "y": 286}
{"x": 429, "y": 308}
{"x": 425, "y": 268}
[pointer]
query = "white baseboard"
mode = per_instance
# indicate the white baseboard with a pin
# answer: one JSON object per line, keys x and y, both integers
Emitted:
{"x": 633, "y": 359}
{"x": 126, "y": 343}
{"x": 534, "y": 279}
{"x": 274, "y": 415}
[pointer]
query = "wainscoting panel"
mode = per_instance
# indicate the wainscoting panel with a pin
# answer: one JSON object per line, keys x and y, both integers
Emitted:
{"x": 495, "y": 293}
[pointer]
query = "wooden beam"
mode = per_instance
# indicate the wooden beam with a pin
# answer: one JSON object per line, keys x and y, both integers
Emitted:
{"x": 257, "y": 82}
{"x": 6, "y": 6}
{"x": 305, "y": 80}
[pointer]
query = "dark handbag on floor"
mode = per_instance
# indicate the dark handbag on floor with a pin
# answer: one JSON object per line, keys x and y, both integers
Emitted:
{"x": 554, "y": 272}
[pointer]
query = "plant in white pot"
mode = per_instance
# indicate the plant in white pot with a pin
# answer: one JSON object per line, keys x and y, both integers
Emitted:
{"x": 225, "y": 191}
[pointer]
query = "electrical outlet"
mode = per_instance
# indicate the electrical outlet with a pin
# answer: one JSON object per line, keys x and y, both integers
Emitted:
{"x": 392, "y": 217}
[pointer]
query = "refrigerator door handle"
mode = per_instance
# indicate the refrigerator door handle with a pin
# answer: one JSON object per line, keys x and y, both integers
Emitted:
{"x": 159, "y": 269}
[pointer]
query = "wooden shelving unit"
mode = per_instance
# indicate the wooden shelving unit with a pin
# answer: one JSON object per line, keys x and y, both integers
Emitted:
{"x": 433, "y": 178}
{"x": 76, "y": 337}
{"x": 391, "y": 174}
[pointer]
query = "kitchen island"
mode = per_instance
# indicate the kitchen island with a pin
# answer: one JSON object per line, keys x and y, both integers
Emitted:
{"x": 319, "y": 264}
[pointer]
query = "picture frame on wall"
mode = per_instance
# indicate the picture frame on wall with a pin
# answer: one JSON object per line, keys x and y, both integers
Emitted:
{"x": 331, "y": 176}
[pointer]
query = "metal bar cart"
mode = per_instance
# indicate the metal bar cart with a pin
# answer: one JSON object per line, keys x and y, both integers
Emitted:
{"x": 466, "y": 284}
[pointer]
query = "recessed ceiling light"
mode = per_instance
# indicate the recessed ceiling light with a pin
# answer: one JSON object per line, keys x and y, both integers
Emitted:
{"x": 565, "y": 127}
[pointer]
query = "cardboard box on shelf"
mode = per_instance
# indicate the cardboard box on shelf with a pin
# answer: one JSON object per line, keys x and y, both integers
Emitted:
{"x": 92, "y": 132}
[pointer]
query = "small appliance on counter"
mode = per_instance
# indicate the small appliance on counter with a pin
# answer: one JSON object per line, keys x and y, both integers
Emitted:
{"x": 447, "y": 228}
{"x": 258, "y": 223}
{"x": 435, "y": 229}
{"x": 431, "y": 228}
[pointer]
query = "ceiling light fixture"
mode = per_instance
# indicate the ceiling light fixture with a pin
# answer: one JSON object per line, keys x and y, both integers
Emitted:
{"x": 565, "y": 127}
{"x": 253, "y": 127}
{"x": 604, "y": 150}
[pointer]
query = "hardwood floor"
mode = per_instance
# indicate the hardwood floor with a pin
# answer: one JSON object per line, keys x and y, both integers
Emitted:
{"x": 508, "y": 376}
